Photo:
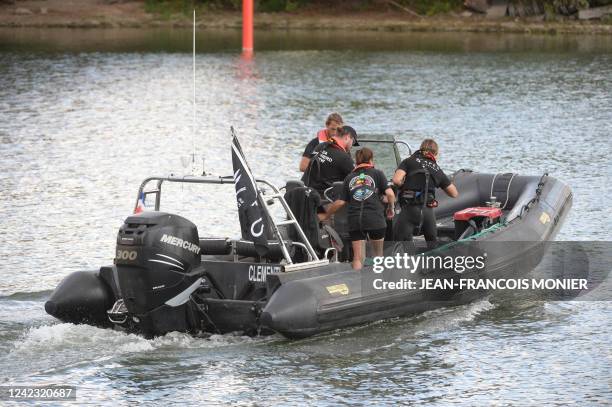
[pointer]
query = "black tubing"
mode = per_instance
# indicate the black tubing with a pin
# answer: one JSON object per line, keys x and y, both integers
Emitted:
{"x": 81, "y": 297}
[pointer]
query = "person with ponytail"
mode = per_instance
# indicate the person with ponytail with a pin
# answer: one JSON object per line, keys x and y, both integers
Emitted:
{"x": 363, "y": 192}
{"x": 417, "y": 177}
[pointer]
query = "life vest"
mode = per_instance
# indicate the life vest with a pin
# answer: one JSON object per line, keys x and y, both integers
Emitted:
{"x": 330, "y": 142}
{"x": 429, "y": 155}
{"x": 322, "y": 136}
{"x": 364, "y": 166}
{"x": 421, "y": 196}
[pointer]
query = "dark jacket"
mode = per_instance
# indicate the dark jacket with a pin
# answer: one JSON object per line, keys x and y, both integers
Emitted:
{"x": 304, "y": 202}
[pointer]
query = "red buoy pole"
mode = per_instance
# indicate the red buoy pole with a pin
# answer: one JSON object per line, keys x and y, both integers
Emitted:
{"x": 247, "y": 26}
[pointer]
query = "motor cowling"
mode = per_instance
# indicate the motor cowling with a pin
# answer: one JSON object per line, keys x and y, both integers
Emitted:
{"x": 156, "y": 257}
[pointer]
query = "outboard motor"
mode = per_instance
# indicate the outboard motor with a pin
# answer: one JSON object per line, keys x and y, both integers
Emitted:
{"x": 156, "y": 263}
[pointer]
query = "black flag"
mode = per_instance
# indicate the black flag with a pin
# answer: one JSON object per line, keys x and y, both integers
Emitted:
{"x": 253, "y": 219}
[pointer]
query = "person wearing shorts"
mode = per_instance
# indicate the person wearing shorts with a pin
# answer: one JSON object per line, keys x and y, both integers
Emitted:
{"x": 362, "y": 192}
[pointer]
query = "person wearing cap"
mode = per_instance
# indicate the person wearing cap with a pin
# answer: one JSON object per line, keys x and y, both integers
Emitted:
{"x": 333, "y": 122}
{"x": 331, "y": 161}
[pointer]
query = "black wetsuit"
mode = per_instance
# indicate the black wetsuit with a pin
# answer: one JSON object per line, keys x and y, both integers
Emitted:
{"x": 329, "y": 164}
{"x": 362, "y": 191}
{"x": 310, "y": 147}
{"x": 414, "y": 198}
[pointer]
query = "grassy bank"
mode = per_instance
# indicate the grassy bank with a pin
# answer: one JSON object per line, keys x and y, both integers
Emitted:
{"x": 370, "y": 15}
{"x": 550, "y": 8}
{"x": 422, "y": 7}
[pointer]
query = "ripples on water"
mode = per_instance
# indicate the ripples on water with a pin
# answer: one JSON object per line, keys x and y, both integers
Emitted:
{"x": 80, "y": 129}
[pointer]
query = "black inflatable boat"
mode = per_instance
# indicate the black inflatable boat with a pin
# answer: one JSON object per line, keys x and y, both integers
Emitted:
{"x": 166, "y": 277}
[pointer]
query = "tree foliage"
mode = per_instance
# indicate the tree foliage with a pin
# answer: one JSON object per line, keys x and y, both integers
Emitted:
{"x": 424, "y": 7}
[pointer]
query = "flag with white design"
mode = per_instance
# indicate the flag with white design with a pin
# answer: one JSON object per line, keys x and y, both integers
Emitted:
{"x": 253, "y": 219}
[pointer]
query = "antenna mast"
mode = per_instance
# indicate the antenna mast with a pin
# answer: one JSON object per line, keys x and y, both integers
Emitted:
{"x": 193, "y": 154}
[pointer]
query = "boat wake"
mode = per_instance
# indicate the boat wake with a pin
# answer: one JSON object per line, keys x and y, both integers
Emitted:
{"x": 76, "y": 338}
{"x": 445, "y": 319}
{"x": 27, "y": 296}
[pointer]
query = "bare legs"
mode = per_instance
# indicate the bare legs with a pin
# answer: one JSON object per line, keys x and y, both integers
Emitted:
{"x": 359, "y": 251}
{"x": 377, "y": 247}
{"x": 358, "y": 254}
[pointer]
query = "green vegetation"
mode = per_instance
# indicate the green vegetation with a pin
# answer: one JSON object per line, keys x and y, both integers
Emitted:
{"x": 167, "y": 8}
{"x": 568, "y": 6}
{"x": 430, "y": 8}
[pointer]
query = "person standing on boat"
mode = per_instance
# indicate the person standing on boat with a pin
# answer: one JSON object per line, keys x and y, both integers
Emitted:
{"x": 417, "y": 177}
{"x": 331, "y": 161}
{"x": 333, "y": 122}
{"x": 362, "y": 191}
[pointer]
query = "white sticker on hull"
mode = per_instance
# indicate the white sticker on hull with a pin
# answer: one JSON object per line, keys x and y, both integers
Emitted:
{"x": 260, "y": 272}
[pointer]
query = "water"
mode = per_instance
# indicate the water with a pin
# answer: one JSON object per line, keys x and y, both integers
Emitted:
{"x": 86, "y": 115}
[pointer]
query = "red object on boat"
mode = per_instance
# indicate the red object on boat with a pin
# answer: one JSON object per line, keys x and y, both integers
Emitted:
{"x": 479, "y": 211}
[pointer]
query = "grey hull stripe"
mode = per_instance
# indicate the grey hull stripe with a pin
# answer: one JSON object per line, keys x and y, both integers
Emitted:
{"x": 183, "y": 297}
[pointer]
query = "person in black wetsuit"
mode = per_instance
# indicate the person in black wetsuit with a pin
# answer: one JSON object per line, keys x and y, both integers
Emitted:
{"x": 362, "y": 191}
{"x": 332, "y": 124}
{"x": 331, "y": 161}
{"x": 417, "y": 177}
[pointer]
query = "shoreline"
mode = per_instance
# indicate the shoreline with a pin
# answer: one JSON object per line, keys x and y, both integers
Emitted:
{"x": 282, "y": 23}
{"x": 42, "y": 14}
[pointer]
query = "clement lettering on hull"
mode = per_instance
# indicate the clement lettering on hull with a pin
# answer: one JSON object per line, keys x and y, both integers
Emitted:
{"x": 258, "y": 273}
{"x": 185, "y": 244}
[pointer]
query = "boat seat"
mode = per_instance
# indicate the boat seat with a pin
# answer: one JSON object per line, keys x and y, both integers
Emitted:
{"x": 225, "y": 246}
{"x": 292, "y": 184}
{"x": 275, "y": 251}
{"x": 215, "y": 246}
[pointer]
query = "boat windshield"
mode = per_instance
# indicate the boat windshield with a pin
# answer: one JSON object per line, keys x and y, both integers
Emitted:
{"x": 388, "y": 153}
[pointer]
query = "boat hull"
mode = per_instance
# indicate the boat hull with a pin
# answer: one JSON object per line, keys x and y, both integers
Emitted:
{"x": 235, "y": 295}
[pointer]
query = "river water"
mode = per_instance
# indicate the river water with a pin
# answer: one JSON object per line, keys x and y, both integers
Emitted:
{"x": 86, "y": 115}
